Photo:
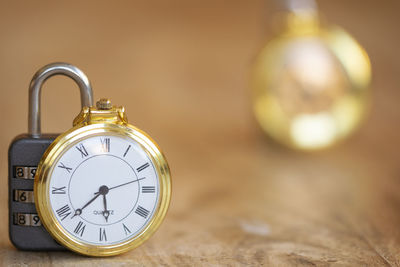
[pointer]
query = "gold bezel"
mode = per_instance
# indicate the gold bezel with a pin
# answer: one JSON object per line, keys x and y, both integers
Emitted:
{"x": 55, "y": 151}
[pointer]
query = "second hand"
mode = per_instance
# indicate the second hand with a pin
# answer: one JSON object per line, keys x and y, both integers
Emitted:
{"x": 123, "y": 184}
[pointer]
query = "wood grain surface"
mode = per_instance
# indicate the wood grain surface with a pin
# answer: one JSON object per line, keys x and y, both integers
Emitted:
{"x": 181, "y": 70}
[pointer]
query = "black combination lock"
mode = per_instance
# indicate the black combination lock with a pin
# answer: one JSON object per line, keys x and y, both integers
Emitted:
{"x": 25, "y": 229}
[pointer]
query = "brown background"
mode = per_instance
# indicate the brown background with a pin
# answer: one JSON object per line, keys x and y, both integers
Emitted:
{"x": 181, "y": 69}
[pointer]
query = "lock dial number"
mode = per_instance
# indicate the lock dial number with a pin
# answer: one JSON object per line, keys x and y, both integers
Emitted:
{"x": 104, "y": 189}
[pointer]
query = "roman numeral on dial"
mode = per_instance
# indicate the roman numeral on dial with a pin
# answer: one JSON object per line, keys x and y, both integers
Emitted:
{"x": 81, "y": 148}
{"x": 105, "y": 144}
{"x": 60, "y": 190}
{"x": 63, "y": 212}
{"x": 80, "y": 228}
{"x": 126, "y": 151}
{"x": 102, "y": 234}
{"x": 126, "y": 229}
{"x": 148, "y": 189}
{"x": 62, "y": 166}
{"x": 142, "y": 211}
{"x": 144, "y": 166}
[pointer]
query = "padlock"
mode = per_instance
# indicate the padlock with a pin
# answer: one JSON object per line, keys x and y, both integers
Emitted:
{"x": 25, "y": 152}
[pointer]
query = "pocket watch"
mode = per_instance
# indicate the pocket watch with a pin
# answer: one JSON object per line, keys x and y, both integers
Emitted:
{"x": 103, "y": 187}
{"x": 311, "y": 83}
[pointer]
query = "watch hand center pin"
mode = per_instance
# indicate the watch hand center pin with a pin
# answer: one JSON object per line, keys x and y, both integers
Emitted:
{"x": 103, "y": 190}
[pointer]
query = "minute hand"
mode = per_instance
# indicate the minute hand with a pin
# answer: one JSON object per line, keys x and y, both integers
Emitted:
{"x": 79, "y": 211}
{"x": 126, "y": 183}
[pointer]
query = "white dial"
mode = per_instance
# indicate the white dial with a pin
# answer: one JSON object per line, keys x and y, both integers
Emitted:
{"x": 104, "y": 189}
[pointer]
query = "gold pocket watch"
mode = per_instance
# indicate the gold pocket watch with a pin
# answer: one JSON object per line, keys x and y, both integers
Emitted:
{"x": 311, "y": 83}
{"x": 103, "y": 187}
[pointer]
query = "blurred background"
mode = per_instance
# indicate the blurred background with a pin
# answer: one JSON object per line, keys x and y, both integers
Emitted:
{"x": 183, "y": 70}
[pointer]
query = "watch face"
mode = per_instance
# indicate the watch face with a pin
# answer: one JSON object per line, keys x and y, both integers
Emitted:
{"x": 103, "y": 189}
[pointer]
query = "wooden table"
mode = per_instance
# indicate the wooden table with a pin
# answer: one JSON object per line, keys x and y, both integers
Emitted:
{"x": 181, "y": 71}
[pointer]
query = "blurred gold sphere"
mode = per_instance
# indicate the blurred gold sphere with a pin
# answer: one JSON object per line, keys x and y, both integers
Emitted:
{"x": 311, "y": 85}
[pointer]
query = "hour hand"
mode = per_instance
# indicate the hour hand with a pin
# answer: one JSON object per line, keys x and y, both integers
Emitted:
{"x": 106, "y": 213}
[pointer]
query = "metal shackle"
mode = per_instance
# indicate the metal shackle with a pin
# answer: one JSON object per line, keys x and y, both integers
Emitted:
{"x": 36, "y": 85}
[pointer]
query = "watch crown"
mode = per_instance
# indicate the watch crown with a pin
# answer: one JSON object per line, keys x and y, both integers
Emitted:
{"x": 104, "y": 104}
